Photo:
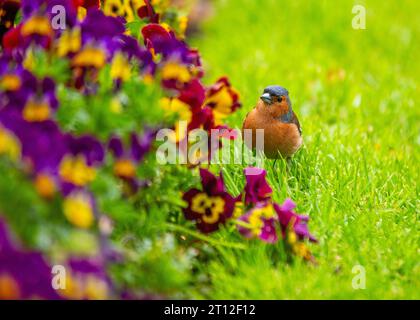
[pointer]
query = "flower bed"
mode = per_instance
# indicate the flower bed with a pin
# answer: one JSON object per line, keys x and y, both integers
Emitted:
{"x": 85, "y": 87}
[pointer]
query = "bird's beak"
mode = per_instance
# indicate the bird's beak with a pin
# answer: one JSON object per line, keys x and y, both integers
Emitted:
{"x": 266, "y": 98}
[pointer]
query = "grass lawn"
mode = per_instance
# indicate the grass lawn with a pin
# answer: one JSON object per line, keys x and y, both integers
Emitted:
{"x": 358, "y": 171}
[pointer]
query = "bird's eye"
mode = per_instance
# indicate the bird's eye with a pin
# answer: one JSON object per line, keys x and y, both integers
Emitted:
{"x": 280, "y": 98}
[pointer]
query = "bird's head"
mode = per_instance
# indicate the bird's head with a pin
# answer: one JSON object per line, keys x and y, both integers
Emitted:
{"x": 276, "y": 101}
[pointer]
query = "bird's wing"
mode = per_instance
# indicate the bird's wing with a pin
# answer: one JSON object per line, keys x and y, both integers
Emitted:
{"x": 246, "y": 118}
{"x": 296, "y": 122}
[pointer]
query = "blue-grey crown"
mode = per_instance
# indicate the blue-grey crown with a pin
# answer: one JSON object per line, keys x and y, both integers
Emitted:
{"x": 276, "y": 91}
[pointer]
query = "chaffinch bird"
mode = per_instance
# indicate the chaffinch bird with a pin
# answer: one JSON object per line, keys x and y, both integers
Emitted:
{"x": 274, "y": 114}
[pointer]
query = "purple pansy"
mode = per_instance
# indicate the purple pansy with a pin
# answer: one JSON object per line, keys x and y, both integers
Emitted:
{"x": 35, "y": 98}
{"x": 261, "y": 222}
{"x": 23, "y": 274}
{"x": 87, "y": 280}
{"x": 78, "y": 166}
{"x": 289, "y": 219}
{"x": 109, "y": 26}
{"x": 42, "y": 145}
{"x": 88, "y": 147}
{"x": 128, "y": 157}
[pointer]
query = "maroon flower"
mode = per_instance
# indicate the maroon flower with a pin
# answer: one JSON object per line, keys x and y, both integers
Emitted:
{"x": 147, "y": 11}
{"x": 156, "y": 36}
{"x": 223, "y": 99}
{"x": 211, "y": 206}
{"x": 257, "y": 188}
{"x": 193, "y": 95}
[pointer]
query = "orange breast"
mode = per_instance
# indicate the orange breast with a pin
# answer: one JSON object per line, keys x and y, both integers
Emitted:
{"x": 280, "y": 139}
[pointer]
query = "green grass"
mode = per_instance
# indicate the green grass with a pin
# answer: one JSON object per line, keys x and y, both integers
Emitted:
{"x": 357, "y": 174}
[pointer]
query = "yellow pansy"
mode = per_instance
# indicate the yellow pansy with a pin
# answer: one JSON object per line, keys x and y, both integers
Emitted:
{"x": 120, "y": 67}
{"x": 36, "y": 111}
{"x": 10, "y": 82}
{"x": 69, "y": 42}
{"x": 124, "y": 168}
{"x": 9, "y": 144}
{"x": 45, "y": 186}
{"x": 76, "y": 171}
{"x": 9, "y": 288}
{"x": 176, "y": 71}
{"x": 90, "y": 57}
{"x": 210, "y": 207}
{"x": 78, "y": 210}
{"x": 37, "y": 25}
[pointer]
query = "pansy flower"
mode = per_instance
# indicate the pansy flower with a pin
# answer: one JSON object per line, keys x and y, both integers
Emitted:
{"x": 298, "y": 247}
{"x": 69, "y": 42}
{"x": 175, "y": 74}
{"x": 211, "y": 206}
{"x": 86, "y": 64}
{"x": 90, "y": 56}
{"x": 132, "y": 50}
{"x": 35, "y": 98}
{"x": 260, "y": 222}
{"x": 290, "y": 220}
{"x": 80, "y": 209}
{"x": 43, "y": 147}
{"x": 126, "y": 53}
{"x": 23, "y": 274}
{"x": 193, "y": 94}
{"x": 37, "y": 29}
{"x": 257, "y": 188}
{"x": 147, "y": 11}
{"x": 98, "y": 46}
{"x": 45, "y": 8}
{"x": 41, "y": 102}
{"x": 9, "y": 144}
{"x": 126, "y": 9}
{"x": 120, "y": 69}
{"x": 110, "y": 26}
{"x": 223, "y": 99}
{"x": 127, "y": 159}
{"x": 86, "y": 279}
{"x": 180, "y": 64}
{"x": 156, "y": 37}
{"x": 78, "y": 166}
{"x": 183, "y": 113}
{"x": 186, "y": 106}
{"x": 12, "y": 76}
{"x": 203, "y": 119}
